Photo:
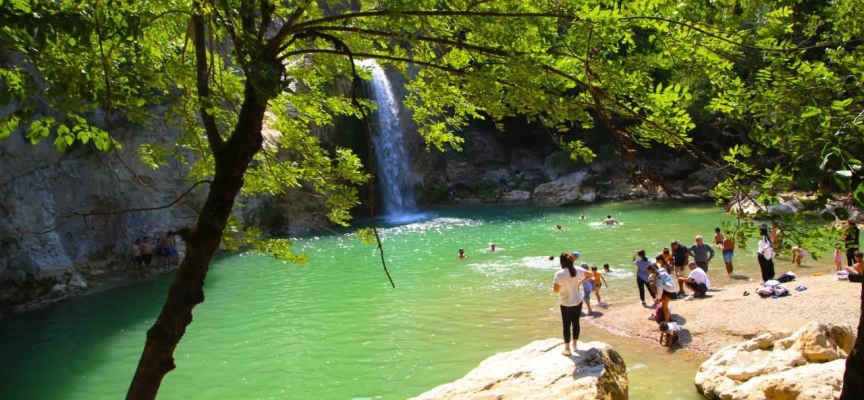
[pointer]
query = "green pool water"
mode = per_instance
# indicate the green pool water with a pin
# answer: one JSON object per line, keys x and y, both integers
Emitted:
{"x": 335, "y": 329}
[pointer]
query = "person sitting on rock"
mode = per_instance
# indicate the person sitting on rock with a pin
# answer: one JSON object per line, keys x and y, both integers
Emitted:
{"x": 669, "y": 333}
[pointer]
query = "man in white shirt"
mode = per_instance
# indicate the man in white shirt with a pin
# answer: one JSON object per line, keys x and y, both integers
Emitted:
{"x": 697, "y": 281}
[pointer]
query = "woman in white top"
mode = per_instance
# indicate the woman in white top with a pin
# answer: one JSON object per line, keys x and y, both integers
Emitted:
{"x": 568, "y": 284}
{"x": 765, "y": 255}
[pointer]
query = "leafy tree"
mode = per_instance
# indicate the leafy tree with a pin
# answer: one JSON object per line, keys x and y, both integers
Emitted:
{"x": 227, "y": 69}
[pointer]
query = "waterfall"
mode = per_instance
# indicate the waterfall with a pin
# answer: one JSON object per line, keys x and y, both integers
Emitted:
{"x": 391, "y": 155}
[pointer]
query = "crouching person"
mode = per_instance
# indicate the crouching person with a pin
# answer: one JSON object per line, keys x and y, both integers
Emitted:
{"x": 697, "y": 282}
{"x": 669, "y": 333}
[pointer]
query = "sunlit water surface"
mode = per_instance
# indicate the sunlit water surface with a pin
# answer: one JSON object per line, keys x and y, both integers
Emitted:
{"x": 335, "y": 329}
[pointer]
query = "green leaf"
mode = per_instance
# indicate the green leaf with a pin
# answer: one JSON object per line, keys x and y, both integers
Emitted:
{"x": 810, "y": 111}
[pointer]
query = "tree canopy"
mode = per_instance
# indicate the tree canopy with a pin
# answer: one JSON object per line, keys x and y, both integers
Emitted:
{"x": 782, "y": 78}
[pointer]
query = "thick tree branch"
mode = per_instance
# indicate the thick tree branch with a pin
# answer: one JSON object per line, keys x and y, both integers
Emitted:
{"x": 203, "y": 85}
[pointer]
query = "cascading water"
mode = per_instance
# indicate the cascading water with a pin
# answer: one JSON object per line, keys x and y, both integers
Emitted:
{"x": 391, "y": 155}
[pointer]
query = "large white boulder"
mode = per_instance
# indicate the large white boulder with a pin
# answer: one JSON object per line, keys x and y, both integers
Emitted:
{"x": 568, "y": 189}
{"x": 806, "y": 364}
{"x": 539, "y": 371}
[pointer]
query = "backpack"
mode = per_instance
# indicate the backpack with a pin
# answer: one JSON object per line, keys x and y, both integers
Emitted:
{"x": 780, "y": 291}
{"x": 787, "y": 277}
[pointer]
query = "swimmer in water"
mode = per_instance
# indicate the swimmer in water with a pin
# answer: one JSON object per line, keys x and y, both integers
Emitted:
{"x": 609, "y": 221}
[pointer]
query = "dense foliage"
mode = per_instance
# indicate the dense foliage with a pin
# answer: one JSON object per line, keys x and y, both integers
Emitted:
{"x": 780, "y": 79}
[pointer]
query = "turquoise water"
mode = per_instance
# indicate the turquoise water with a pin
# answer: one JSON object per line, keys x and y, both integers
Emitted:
{"x": 335, "y": 329}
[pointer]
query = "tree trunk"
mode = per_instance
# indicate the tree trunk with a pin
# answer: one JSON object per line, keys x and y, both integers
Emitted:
{"x": 187, "y": 290}
{"x": 853, "y": 378}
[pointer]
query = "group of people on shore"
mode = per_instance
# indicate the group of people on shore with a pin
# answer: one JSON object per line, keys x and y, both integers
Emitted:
{"x": 674, "y": 271}
{"x": 165, "y": 250}
{"x": 665, "y": 279}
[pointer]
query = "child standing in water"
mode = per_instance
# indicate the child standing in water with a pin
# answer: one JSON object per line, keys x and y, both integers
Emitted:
{"x": 718, "y": 237}
{"x": 599, "y": 281}
{"x": 588, "y": 287}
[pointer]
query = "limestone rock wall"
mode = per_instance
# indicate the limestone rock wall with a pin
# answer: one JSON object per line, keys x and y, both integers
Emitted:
{"x": 806, "y": 364}
{"x": 539, "y": 371}
{"x": 40, "y": 187}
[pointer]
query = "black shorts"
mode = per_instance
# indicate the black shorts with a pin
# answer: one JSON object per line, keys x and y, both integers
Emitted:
{"x": 669, "y": 295}
{"x": 698, "y": 287}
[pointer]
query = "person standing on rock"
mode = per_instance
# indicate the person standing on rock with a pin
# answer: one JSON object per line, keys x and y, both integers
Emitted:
{"x": 137, "y": 257}
{"x": 568, "y": 284}
{"x": 764, "y": 255}
{"x": 147, "y": 254}
{"x": 702, "y": 253}
{"x": 851, "y": 240}
{"x": 169, "y": 250}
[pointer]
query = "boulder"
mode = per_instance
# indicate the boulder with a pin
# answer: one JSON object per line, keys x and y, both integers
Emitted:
{"x": 516, "y": 196}
{"x": 806, "y": 364}
{"x": 539, "y": 371}
{"x": 788, "y": 207}
{"x": 568, "y": 189}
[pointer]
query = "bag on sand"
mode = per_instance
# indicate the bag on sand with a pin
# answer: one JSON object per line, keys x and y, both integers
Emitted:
{"x": 787, "y": 277}
{"x": 780, "y": 291}
{"x": 765, "y": 291}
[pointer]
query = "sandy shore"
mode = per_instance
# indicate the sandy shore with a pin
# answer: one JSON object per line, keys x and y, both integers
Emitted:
{"x": 726, "y": 316}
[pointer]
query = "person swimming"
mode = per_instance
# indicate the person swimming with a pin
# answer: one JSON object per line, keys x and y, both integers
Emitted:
{"x": 609, "y": 221}
{"x": 462, "y": 254}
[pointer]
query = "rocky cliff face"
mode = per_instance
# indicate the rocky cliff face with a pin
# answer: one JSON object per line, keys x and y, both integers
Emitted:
{"x": 525, "y": 166}
{"x": 44, "y": 243}
{"x": 539, "y": 371}
{"x": 50, "y": 251}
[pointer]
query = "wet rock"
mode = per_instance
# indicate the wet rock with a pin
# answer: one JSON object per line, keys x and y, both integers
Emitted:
{"x": 539, "y": 371}
{"x": 806, "y": 364}
{"x": 59, "y": 288}
{"x": 77, "y": 281}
